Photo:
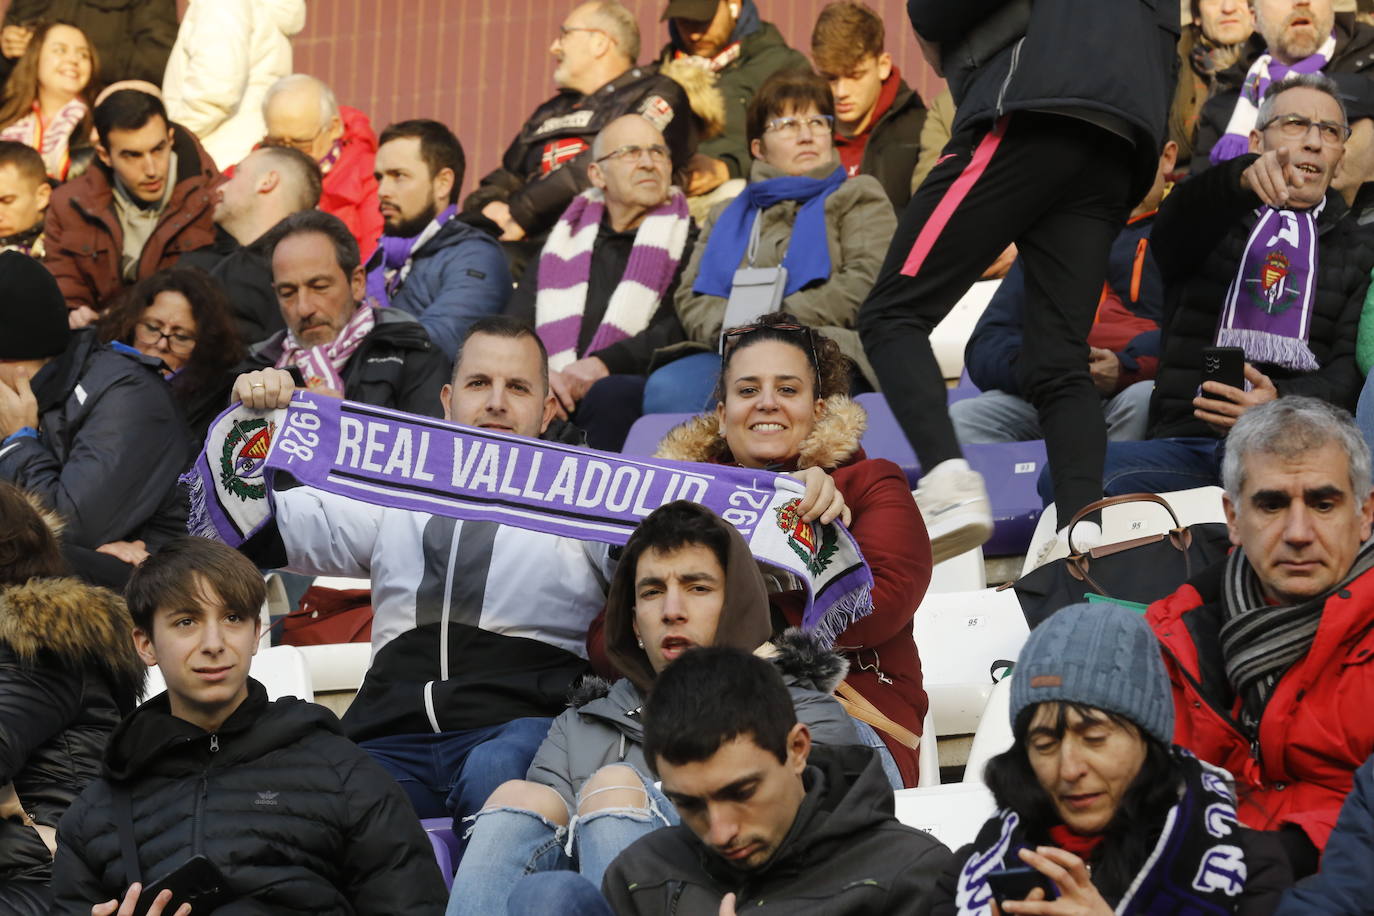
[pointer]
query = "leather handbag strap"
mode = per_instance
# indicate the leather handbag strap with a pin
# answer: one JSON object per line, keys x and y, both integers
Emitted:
{"x": 1117, "y": 501}
{"x": 858, "y": 706}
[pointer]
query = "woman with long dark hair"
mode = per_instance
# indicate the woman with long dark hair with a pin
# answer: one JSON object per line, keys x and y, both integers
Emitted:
{"x": 1096, "y": 806}
{"x": 45, "y": 103}
{"x": 183, "y": 318}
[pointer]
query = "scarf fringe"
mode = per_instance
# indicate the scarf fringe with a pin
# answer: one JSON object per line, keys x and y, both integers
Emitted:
{"x": 198, "y": 521}
{"x": 854, "y": 606}
{"x": 1274, "y": 349}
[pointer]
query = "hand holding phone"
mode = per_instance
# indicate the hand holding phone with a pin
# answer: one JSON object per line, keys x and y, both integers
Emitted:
{"x": 1016, "y": 883}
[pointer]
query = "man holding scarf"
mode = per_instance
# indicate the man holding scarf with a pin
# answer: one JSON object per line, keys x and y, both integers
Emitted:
{"x": 441, "y": 269}
{"x": 1255, "y": 253}
{"x": 1269, "y": 650}
{"x": 334, "y": 342}
{"x": 828, "y": 235}
{"x": 601, "y": 291}
{"x": 1300, "y": 36}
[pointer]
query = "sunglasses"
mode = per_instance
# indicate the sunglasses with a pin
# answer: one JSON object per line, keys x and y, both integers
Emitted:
{"x": 736, "y": 334}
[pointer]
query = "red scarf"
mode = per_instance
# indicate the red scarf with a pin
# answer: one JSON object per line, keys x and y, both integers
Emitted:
{"x": 1076, "y": 843}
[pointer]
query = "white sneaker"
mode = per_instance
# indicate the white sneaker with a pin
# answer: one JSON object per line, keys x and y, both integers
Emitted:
{"x": 954, "y": 504}
{"x": 1085, "y": 537}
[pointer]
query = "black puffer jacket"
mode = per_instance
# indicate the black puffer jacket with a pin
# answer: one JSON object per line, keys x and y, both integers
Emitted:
{"x": 68, "y": 674}
{"x": 1116, "y": 58}
{"x": 1198, "y": 240}
{"x": 297, "y": 817}
{"x": 111, "y": 445}
{"x": 395, "y": 366}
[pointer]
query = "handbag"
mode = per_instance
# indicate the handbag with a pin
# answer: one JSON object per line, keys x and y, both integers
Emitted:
{"x": 1142, "y": 570}
{"x": 754, "y": 291}
{"x": 329, "y": 616}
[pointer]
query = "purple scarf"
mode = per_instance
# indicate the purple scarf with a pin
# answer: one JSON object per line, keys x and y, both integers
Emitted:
{"x": 1268, "y": 309}
{"x": 1265, "y": 70}
{"x": 323, "y": 365}
{"x": 385, "y": 280}
{"x": 388, "y": 458}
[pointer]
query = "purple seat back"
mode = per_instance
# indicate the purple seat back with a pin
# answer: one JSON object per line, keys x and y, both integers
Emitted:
{"x": 445, "y": 845}
{"x": 648, "y": 431}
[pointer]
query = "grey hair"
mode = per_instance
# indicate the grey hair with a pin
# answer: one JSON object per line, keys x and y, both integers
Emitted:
{"x": 1317, "y": 81}
{"x": 620, "y": 24}
{"x": 1288, "y": 427}
{"x": 329, "y": 105}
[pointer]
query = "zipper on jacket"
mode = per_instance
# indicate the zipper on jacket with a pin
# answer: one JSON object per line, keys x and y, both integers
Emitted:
{"x": 1225, "y": 717}
{"x": 197, "y": 846}
{"x": 1011, "y": 71}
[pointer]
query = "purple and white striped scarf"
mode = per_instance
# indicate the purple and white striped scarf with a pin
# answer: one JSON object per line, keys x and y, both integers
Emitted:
{"x": 565, "y": 265}
{"x": 389, "y": 458}
{"x": 1265, "y": 70}
{"x": 51, "y": 142}
{"x": 1268, "y": 309}
{"x": 323, "y": 365}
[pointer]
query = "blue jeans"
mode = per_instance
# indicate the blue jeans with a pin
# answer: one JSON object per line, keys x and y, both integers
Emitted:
{"x": 534, "y": 895}
{"x": 1155, "y": 466}
{"x": 869, "y": 737}
{"x": 995, "y": 416}
{"x": 686, "y": 385}
{"x": 454, "y": 773}
{"x": 505, "y": 844}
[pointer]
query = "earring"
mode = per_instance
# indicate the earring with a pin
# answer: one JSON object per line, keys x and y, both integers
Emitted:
{"x": 639, "y": 642}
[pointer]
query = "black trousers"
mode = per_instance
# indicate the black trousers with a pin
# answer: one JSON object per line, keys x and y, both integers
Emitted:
{"x": 1059, "y": 188}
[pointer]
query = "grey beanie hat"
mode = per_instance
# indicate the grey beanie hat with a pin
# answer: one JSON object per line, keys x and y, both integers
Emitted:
{"x": 1100, "y": 655}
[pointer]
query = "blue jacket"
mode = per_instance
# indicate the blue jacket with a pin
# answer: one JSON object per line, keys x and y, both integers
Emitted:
{"x": 1345, "y": 884}
{"x": 455, "y": 278}
{"x": 992, "y": 350}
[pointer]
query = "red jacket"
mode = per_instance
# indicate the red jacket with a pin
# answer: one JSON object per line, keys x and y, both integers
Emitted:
{"x": 84, "y": 240}
{"x": 350, "y": 190}
{"x": 1315, "y": 731}
{"x": 883, "y": 663}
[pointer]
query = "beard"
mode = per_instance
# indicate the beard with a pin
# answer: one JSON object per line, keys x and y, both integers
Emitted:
{"x": 407, "y": 228}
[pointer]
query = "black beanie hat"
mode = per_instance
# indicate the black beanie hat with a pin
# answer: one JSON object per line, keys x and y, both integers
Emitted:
{"x": 33, "y": 314}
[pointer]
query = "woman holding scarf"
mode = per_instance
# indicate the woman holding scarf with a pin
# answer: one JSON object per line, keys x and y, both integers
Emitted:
{"x": 798, "y": 212}
{"x": 1093, "y": 798}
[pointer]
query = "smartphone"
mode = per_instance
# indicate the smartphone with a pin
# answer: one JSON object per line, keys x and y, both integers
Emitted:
{"x": 1017, "y": 883}
{"x": 196, "y": 881}
{"x": 1225, "y": 365}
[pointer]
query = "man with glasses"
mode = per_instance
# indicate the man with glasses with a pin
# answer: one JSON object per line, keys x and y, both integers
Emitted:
{"x": 545, "y": 167}
{"x": 1255, "y": 253}
{"x": 90, "y": 429}
{"x": 301, "y": 112}
{"x": 601, "y": 321}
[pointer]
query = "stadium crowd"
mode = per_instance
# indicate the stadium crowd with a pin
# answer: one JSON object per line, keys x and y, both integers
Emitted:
{"x": 624, "y": 696}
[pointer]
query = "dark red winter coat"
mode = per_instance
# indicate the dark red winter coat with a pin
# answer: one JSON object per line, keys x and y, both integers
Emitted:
{"x": 350, "y": 189}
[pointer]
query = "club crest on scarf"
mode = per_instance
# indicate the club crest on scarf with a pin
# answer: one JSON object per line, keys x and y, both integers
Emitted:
{"x": 244, "y": 457}
{"x": 1274, "y": 297}
{"x": 801, "y": 537}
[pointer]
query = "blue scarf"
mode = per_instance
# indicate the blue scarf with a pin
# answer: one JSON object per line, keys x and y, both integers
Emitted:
{"x": 808, "y": 254}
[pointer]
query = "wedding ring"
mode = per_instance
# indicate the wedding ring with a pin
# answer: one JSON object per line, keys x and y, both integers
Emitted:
{"x": 257, "y": 385}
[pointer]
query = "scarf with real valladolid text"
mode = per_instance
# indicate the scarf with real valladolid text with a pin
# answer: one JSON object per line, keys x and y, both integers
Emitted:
{"x": 1196, "y": 866}
{"x": 1264, "y": 71}
{"x": 565, "y": 266}
{"x": 1261, "y": 641}
{"x": 1268, "y": 309}
{"x": 389, "y": 458}
{"x": 322, "y": 366}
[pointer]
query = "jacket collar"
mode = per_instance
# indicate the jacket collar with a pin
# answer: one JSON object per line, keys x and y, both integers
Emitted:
{"x": 832, "y": 443}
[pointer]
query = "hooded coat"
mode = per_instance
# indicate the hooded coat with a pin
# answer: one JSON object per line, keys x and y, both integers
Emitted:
{"x": 880, "y": 649}
{"x": 297, "y": 817}
{"x": 227, "y": 54}
{"x": 68, "y": 674}
{"x": 604, "y": 725}
{"x": 844, "y": 855}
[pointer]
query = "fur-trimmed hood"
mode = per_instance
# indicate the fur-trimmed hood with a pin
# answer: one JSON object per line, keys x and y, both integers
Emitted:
{"x": 705, "y": 98}
{"x": 833, "y": 442}
{"x": 81, "y": 625}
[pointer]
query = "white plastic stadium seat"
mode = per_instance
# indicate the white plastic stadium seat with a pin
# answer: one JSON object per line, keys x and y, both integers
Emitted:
{"x": 929, "y": 753}
{"x": 341, "y": 582}
{"x": 951, "y": 813}
{"x": 994, "y": 732}
{"x": 951, "y": 335}
{"x": 337, "y": 667}
{"x": 962, "y": 573}
{"x": 959, "y": 635}
{"x": 281, "y": 669}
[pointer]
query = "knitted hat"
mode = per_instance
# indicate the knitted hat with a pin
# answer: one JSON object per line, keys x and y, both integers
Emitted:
{"x": 1099, "y": 655}
{"x": 32, "y": 310}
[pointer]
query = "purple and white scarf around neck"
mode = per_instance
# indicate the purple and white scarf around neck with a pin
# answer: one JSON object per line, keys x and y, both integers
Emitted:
{"x": 1268, "y": 309}
{"x": 323, "y": 365}
{"x": 386, "y": 279}
{"x": 1265, "y": 70}
{"x": 419, "y": 464}
{"x": 565, "y": 266}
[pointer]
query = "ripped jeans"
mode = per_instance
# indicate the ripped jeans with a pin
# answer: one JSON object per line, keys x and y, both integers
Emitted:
{"x": 505, "y": 844}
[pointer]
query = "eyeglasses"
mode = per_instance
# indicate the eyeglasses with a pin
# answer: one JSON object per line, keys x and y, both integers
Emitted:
{"x": 150, "y": 335}
{"x": 303, "y": 146}
{"x": 658, "y": 153}
{"x": 563, "y": 31}
{"x": 735, "y": 335}
{"x": 1295, "y": 126}
{"x": 790, "y": 127}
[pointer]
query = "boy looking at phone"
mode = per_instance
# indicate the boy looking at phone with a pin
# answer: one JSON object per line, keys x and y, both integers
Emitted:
{"x": 209, "y": 786}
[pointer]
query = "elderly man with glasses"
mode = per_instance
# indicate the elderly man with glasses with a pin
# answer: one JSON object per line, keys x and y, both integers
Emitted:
{"x": 545, "y": 166}
{"x": 1256, "y": 253}
{"x": 603, "y": 316}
